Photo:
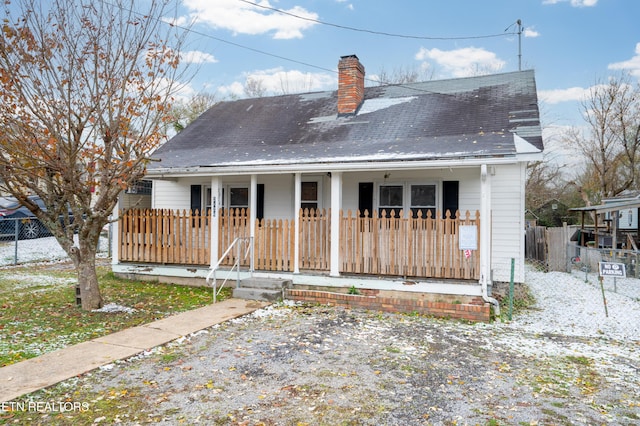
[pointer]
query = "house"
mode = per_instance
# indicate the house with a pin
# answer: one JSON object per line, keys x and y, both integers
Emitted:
{"x": 552, "y": 213}
{"x": 615, "y": 222}
{"x": 627, "y": 218}
{"x": 406, "y": 192}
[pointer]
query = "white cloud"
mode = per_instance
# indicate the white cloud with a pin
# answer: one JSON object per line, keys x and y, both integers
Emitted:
{"x": 530, "y": 33}
{"x": 556, "y": 96}
{"x": 349, "y": 6}
{"x": 278, "y": 81}
{"x": 558, "y": 152}
{"x": 198, "y": 57}
{"x": 571, "y": 94}
{"x": 464, "y": 62}
{"x": 243, "y": 18}
{"x": 574, "y": 3}
{"x": 631, "y": 65}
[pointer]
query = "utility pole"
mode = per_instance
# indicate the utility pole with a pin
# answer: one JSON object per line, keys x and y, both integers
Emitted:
{"x": 519, "y": 22}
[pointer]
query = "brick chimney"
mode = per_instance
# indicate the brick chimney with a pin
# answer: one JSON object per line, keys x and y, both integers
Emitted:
{"x": 350, "y": 84}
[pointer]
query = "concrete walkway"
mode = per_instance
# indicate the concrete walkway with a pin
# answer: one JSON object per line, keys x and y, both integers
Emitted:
{"x": 46, "y": 370}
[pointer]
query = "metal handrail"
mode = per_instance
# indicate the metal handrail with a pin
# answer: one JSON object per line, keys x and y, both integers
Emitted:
{"x": 212, "y": 273}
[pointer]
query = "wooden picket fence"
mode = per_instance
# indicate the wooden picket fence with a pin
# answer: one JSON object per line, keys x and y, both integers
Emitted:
{"x": 273, "y": 242}
{"x": 410, "y": 247}
{"x": 164, "y": 236}
{"x": 376, "y": 245}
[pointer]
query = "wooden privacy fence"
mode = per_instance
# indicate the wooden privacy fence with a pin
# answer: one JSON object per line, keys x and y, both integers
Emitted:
{"x": 547, "y": 247}
{"x": 411, "y": 247}
{"x": 378, "y": 245}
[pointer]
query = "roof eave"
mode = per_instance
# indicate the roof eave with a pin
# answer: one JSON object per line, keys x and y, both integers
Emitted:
{"x": 244, "y": 169}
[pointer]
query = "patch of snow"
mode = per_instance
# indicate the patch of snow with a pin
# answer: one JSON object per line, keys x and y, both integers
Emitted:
{"x": 373, "y": 105}
{"x": 23, "y": 281}
{"x": 567, "y": 305}
{"x": 114, "y": 308}
{"x": 46, "y": 249}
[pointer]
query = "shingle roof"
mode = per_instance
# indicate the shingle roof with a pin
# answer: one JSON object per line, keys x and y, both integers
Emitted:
{"x": 440, "y": 119}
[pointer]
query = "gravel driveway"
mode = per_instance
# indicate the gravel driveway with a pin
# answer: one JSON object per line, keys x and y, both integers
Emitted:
{"x": 561, "y": 363}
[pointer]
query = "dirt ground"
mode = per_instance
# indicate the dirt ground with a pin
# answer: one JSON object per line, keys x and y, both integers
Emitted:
{"x": 318, "y": 365}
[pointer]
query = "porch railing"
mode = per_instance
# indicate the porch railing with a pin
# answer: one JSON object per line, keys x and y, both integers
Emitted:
{"x": 164, "y": 236}
{"x": 410, "y": 247}
{"x": 369, "y": 244}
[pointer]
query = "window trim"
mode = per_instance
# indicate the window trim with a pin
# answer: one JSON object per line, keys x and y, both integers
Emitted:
{"x": 318, "y": 181}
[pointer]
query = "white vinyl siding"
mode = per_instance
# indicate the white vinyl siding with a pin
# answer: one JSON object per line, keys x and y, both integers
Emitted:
{"x": 507, "y": 233}
{"x": 169, "y": 194}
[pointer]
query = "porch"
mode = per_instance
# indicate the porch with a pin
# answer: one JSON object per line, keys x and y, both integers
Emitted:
{"x": 412, "y": 247}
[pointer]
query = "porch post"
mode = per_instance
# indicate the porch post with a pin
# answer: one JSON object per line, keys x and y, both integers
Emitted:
{"x": 216, "y": 203}
{"x": 485, "y": 226}
{"x": 297, "y": 191}
{"x": 336, "y": 205}
{"x": 253, "y": 214}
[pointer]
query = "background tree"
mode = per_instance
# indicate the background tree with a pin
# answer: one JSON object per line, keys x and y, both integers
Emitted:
{"x": 254, "y": 88}
{"x": 184, "y": 112}
{"x": 611, "y": 142}
{"x": 544, "y": 182}
{"x": 401, "y": 75}
{"x": 85, "y": 90}
{"x": 547, "y": 194}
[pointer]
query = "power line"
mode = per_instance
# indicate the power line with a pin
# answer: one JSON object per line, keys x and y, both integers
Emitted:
{"x": 344, "y": 27}
{"x": 306, "y": 64}
{"x": 284, "y": 58}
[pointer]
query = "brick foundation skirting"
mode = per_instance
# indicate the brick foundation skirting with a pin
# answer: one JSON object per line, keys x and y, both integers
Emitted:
{"x": 478, "y": 311}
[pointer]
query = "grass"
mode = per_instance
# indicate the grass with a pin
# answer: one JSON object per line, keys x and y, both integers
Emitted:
{"x": 39, "y": 314}
{"x": 521, "y": 303}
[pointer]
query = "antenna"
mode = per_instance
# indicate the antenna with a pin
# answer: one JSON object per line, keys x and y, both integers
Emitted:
{"x": 519, "y": 24}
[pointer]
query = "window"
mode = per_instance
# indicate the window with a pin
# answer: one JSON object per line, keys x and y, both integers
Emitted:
{"x": 391, "y": 199}
{"x": 239, "y": 198}
{"x": 309, "y": 195}
{"x": 423, "y": 198}
{"x": 407, "y": 197}
{"x": 141, "y": 187}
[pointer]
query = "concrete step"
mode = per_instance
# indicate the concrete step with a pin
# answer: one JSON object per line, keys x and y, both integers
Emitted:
{"x": 261, "y": 294}
{"x": 265, "y": 283}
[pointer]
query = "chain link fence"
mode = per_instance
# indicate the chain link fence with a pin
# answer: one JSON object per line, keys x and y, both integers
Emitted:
{"x": 583, "y": 262}
{"x": 24, "y": 240}
{"x": 552, "y": 249}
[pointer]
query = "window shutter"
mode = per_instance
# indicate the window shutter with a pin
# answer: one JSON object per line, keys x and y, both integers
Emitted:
{"x": 196, "y": 198}
{"x": 365, "y": 198}
{"x": 450, "y": 190}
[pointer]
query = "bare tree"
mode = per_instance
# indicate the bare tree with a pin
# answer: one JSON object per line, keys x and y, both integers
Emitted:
{"x": 183, "y": 113}
{"x": 254, "y": 88}
{"x": 544, "y": 182}
{"x": 611, "y": 143}
{"x": 86, "y": 89}
{"x": 402, "y": 75}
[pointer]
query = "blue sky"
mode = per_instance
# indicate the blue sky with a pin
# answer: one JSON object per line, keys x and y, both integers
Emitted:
{"x": 571, "y": 44}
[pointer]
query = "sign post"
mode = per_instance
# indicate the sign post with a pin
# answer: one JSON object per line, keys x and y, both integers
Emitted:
{"x": 610, "y": 269}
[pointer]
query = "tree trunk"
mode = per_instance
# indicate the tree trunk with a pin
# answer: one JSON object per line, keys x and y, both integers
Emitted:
{"x": 88, "y": 280}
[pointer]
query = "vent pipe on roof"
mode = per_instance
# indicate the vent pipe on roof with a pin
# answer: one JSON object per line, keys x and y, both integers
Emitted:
{"x": 350, "y": 85}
